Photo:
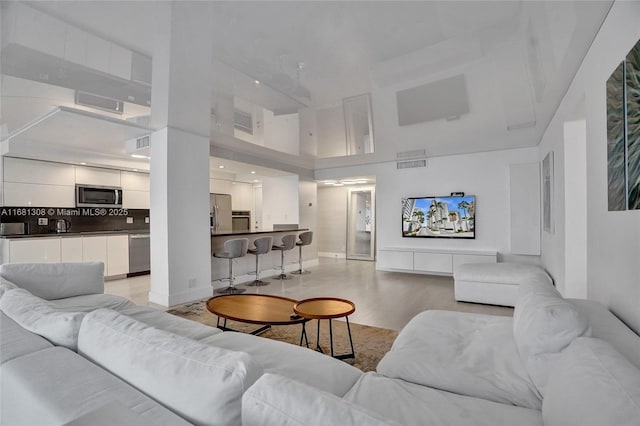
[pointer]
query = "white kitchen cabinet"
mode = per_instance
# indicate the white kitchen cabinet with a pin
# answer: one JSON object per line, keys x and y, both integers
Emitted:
{"x": 97, "y": 176}
{"x": 136, "y": 199}
{"x": 98, "y": 53}
{"x": 135, "y": 181}
{"x": 94, "y": 249}
{"x": 241, "y": 196}
{"x": 120, "y": 64}
{"x": 71, "y": 249}
{"x": 219, "y": 186}
{"x": 75, "y": 48}
{"x": 117, "y": 255}
{"x": 39, "y": 195}
{"x": 44, "y": 172}
{"x": 38, "y": 31}
{"x": 34, "y": 250}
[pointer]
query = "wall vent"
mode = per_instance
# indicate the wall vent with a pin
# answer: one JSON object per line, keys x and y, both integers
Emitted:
{"x": 143, "y": 142}
{"x": 411, "y": 164}
{"x": 99, "y": 102}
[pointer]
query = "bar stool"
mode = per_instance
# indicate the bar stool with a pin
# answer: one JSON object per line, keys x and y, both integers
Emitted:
{"x": 263, "y": 245}
{"x": 305, "y": 240}
{"x": 233, "y": 249}
{"x": 288, "y": 243}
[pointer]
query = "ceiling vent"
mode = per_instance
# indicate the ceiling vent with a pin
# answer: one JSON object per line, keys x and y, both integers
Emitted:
{"x": 411, "y": 159}
{"x": 143, "y": 142}
{"x": 99, "y": 102}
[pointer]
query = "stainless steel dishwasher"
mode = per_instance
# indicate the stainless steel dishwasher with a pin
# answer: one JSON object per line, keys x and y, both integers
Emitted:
{"x": 139, "y": 253}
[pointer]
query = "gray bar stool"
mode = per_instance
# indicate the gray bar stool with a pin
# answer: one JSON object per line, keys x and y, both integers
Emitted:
{"x": 288, "y": 243}
{"x": 233, "y": 249}
{"x": 305, "y": 240}
{"x": 263, "y": 245}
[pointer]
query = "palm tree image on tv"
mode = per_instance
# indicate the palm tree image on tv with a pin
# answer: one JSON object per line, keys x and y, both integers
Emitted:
{"x": 446, "y": 217}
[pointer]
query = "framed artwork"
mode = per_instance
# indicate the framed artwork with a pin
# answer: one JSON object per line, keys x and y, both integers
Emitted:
{"x": 547, "y": 193}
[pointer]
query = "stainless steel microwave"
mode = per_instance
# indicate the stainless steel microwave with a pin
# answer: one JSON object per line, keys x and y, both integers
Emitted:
{"x": 98, "y": 196}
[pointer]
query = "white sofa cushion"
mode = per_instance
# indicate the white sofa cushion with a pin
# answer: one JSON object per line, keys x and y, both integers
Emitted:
{"x": 56, "y": 280}
{"x": 55, "y": 385}
{"x": 90, "y": 302}
{"x": 592, "y": 384}
{"x": 410, "y": 404}
{"x": 5, "y": 286}
{"x": 469, "y": 354}
{"x": 39, "y": 316}
{"x": 15, "y": 341}
{"x": 543, "y": 325}
{"x": 171, "y": 323}
{"x": 199, "y": 382}
{"x": 296, "y": 362}
{"x": 277, "y": 400}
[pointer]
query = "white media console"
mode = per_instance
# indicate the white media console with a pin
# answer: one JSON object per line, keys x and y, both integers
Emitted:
{"x": 430, "y": 261}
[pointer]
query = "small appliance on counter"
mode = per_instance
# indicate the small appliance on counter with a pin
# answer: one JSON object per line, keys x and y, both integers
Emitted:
{"x": 62, "y": 225}
{"x": 13, "y": 228}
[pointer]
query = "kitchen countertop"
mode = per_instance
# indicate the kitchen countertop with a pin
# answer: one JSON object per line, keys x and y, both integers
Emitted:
{"x": 78, "y": 233}
{"x": 228, "y": 233}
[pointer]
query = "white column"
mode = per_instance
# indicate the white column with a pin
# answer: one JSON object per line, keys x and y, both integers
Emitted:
{"x": 181, "y": 102}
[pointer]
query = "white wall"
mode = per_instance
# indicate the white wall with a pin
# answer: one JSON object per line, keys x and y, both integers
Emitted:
{"x": 485, "y": 175}
{"x": 331, "y": 140}
{"x": 613, "y": 238}
{"x": 279, "y": 200}
{"x": 308, "y": 215}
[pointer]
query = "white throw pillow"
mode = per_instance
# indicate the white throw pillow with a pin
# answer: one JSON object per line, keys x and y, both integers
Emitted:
{"x": 41, "y": 317}
{"x": 543, "y": 325}
{"x": 592, "y": 384}
{"x": 201, "y": 383}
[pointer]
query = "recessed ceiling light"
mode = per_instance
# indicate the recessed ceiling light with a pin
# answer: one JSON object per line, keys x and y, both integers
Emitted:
{"x": 348, "y": 182}
{"x": 221, "y": 167}
{"x": 256, "y": 180}
{"x": 256, "y": 81}
{"x": 135, "y": 170}
{"x": 338, "y": 184}
{"x": 253, "y": 172}
{"x": 83, "y": 164}
{"x": 146, "y": 157}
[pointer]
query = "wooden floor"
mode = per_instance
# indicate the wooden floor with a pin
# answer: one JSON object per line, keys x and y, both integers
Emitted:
{"x": 382, "y": 299}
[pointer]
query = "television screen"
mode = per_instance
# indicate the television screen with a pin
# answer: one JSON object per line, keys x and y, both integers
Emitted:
{"x": 439, "y": 217}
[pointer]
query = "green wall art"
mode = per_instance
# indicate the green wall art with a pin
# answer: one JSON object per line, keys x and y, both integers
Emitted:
{"x": 623, "y": 133}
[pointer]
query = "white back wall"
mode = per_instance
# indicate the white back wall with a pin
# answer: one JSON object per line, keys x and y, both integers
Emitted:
{"x": 281, "y": 132}
{"x": 613, "y": 238}
{"x": 485, "y": 175}
{"x": 332, "y": 220}
{"x": 308, "y": 212}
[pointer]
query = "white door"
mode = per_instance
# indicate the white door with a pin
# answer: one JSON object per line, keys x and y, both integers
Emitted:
{"x": 361, "y": 223}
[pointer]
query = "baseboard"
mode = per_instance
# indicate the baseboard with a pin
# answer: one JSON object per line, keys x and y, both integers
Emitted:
{"x": 332, "y": 255}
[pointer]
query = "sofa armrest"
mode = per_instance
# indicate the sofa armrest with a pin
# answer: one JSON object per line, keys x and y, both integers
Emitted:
{"x": 52, "y": 281}
{"x": 277, "y": 400}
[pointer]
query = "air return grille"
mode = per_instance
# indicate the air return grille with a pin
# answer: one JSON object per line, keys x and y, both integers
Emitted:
{"x": 411, "y": 164}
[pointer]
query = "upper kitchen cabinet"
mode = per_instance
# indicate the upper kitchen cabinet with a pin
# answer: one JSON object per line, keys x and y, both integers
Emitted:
{"x": 97, "y": 176}
{"x": 219, "y": 186}
{"x": 241, "y": 196}
{"x": 36, "y": 30}
{"x": 38, "y": 183}
{"x": 136, "y": 190}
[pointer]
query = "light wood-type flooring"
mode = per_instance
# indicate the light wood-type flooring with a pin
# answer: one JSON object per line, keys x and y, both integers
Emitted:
{"x": 382, "y": 299}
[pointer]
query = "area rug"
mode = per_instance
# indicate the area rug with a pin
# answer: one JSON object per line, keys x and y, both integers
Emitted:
{"x": 370, "y": 343}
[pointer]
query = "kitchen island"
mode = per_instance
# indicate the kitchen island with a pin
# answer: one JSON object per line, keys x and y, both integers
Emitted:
{"x": 245, "y": 267}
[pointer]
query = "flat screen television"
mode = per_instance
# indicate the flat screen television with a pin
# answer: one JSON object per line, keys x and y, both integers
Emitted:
{"x": 439, "y": 217}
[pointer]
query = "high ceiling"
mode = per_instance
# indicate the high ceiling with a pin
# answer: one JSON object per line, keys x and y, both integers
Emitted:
{"x": 518, "y": 59}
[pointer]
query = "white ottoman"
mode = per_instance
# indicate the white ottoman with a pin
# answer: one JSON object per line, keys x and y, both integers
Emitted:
{"x": 494, "y": 283}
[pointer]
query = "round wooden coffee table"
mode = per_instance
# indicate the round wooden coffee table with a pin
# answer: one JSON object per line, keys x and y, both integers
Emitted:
{"x": 326, "y": 308}
{"x": 260, "y": 309}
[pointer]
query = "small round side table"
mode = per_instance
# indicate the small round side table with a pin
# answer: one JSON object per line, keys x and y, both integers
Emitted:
{"x": 326, "y": 308}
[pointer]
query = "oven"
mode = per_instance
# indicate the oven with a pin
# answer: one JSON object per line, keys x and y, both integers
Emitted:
{"x": 240, "y": 220}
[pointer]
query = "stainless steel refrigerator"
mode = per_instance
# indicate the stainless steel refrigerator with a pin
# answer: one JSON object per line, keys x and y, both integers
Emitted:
{"x": 220, "y": 212}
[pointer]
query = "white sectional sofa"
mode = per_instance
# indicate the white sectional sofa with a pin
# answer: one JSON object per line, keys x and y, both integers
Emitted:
{"x": 86, "y": 358}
